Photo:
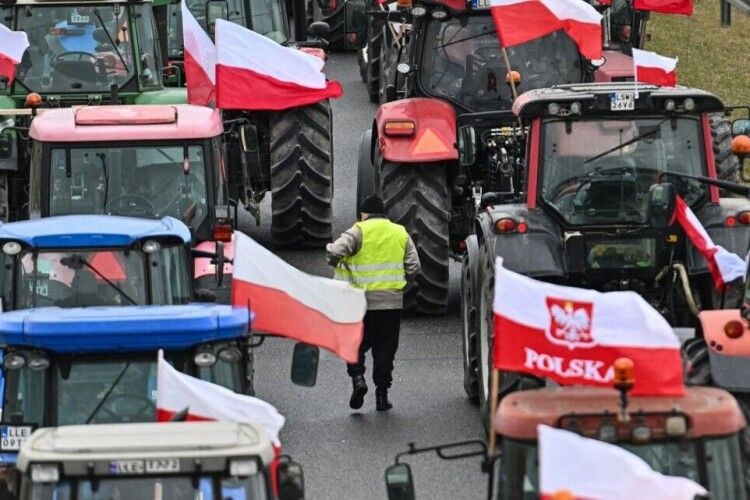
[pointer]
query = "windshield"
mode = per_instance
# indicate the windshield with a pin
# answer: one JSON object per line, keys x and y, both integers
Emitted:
{"x": 154, "y": 488}
{"x": 139, "y": 181}
{"x": 265, "y": 18}
{"x": 600, "y": 171}
{"x": 462, "y": 61}
{"x": 98, "y": 389}
{"x": 519, "y": 470}
{"x": 76, "y": 48}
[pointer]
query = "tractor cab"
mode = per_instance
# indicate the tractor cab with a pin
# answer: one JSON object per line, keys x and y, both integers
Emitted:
{"x": 98, "y": 365}
{"x": 694, "y": 436}
{"x": 173, "y": 460}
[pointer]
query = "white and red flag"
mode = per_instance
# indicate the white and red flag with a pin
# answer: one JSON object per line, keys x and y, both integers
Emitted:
{"x": 254, "y": 72}
{"x": 684, "y": 7}
{"x": 287, "y": 302}
{"x": 573, "y": 335}
{"x": 200, "y": 60}
{"x": 177, "y": 392}
{"x": 652, "y": 68}
{"x": 587, "y": 468}
{"x": 724, "y": 266}
{"x": 520, "y": 21}
{"x": 12, "y": 46}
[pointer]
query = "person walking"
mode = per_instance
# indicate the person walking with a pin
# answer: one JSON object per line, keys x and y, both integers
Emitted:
{"x": 378, "y": 256}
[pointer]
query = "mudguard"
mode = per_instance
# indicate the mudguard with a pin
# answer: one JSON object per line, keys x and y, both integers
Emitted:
{"x": 618, "y": 67}
{"x": 434, "y": 136}
{"x": 537, "y": 253}
{"x": 735, "y": 239}
{"x": 729, "y": 358}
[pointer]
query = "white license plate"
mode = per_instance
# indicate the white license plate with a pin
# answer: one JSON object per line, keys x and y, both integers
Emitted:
{"x": 13, "y": 436}
{"x": 622, "y": 101}
{"x": 162, "y": 465}
{"x": 126, "y": 467}
{"x": 480, "y": 4}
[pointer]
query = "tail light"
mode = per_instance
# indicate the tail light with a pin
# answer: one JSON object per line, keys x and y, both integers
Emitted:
{"x": 505, "y": 225}
{"x": 223, "y": 232}
{"x": 399, "y": 127}
{"x": 730, "y": 221}
{"x": 625, "y": 32}
{"x": 743, "y": 217}
{"x": 734, "y": 329}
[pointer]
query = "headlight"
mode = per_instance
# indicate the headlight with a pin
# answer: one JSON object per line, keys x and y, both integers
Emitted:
{"x": 230, "y": 354}
{"x": 38, "y": 361}
{"x": 204, "y": 357}
{"x": 243, "y": 468}
{"x": 151, "y": 246}
{"x": 11, "y": 248}
{"x": 13, "y": 361}
{"x": 45, "y": 473}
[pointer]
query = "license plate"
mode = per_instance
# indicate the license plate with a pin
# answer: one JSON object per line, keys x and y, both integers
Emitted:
{"x": 480, "y": 4}
{"x": 126, "y": 467}
{"x": 622, "y": 101}
{"x": 13, "y": 436}
{"x": 76, "y": 18}
{"x": 162, "y": 465}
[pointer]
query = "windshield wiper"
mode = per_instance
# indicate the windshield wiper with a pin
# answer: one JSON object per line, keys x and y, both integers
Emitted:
{"x": 103, "y": 158}
{"x": 106, "y": 394}
{"x": 111, "y": 40}
{"x": 77, "y": 262}
{"x": 452, "y": 42}
{"x": 635, "y": 139}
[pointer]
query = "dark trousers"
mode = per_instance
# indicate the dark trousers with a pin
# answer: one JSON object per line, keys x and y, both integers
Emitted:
{"x": 381, "y": 335}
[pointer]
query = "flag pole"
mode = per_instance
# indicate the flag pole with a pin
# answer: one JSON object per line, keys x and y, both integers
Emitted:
{"x": 494, "y": 388}
{"x": 511, "y": 80}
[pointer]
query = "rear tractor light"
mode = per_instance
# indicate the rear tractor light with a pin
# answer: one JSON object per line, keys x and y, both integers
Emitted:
{"x": 223, "y": 232}
{"x": 734, "y": 329}
{"x": 730, "y": 221}
{"x": 399, "y": 128}
{"x": 743, "y": 217}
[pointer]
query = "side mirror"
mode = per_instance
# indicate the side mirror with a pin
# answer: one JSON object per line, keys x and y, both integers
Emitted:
{"x": 305, "y": 364}
{"x": 399, "y": 482}
{"x": 661, "y": 204}
{"x": 249, "y": 138}
{"x": 467, "y": 145}
{"x": 741, "y": 126}
{"x": 215, "y": 9}
{"x": 320, "y": 29}
{"x": 291, "y": 481}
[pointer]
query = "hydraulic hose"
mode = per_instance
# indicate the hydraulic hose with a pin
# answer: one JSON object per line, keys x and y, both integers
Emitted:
{"x": 685, "y": 282}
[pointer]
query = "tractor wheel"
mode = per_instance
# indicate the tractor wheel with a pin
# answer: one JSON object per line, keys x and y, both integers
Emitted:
{"x": 365, "y": 172}
{"x": 302, "y": 176}
{"x": 373, "y": 68}
{"x": 469, "y": 319}
{"x": 417, "y": 197}
{"x": 362, "y": 63}
{"x": 387, "y": 66}
{"x": 336, "y": 19}
{"x": 743, "y": 399}
{"x": 509, "y": 381}
{"x": 727, "y": 165}
{"x": 696, "y": 362}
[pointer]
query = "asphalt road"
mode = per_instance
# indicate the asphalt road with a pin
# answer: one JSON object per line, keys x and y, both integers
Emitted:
{"x": 345, "y": 453}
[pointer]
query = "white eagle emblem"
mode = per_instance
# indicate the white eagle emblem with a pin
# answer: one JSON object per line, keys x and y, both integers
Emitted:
{"x": 570, "y": 322}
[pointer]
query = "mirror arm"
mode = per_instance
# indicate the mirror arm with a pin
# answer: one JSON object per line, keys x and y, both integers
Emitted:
{"x": 440, "y": 450}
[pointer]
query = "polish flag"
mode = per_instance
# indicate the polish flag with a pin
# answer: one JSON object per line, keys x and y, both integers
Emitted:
{"x": 652, "y": 68}
{"x": 573, "y": 335}
{"x": 200, "y": 60}
{"x": 254, "y": 72}
{"x": 12, "y": 46}
{"x": 520, "y": 21}
{"x": 724, "y": 266}
{"x": 287, "y": 302}
{"x": 587, "y": 468}
{"x": 684, "y": 7}
{"x": 176, "y": 392}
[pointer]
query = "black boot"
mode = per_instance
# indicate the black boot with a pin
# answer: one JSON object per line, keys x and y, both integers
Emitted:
{"x": 358, "y": 392}
{"x": 381, "y": 400}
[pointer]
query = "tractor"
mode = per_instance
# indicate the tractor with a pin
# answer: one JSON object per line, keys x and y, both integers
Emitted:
{"x": 592, "y": 208}
{"x": 170, "y": 460}
{"x": 695, "y": 436}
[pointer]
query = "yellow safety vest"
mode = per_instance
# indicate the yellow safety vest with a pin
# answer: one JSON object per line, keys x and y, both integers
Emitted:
{"x": 379, "y": 264}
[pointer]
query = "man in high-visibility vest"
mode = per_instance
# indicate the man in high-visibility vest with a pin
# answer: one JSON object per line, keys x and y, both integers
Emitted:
{"x": 378, "y": 256}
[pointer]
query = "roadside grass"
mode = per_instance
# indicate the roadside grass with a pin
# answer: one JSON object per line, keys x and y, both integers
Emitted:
{"x": 711, "y": 57}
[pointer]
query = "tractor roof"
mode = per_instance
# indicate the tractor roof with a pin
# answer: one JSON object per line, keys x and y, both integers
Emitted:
{"x": 114, "y": 329}
{"x": 91, "y": 231}
{"x": 595, "y": 99}
{"x": 70, "y": 2}
{"x": 126, "y": 123}
{"x": 710, "y": 411}
{"x": 207, "y": 445}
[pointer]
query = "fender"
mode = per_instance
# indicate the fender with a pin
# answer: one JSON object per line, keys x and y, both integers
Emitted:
{"x": 735, "y": 239}
{"x": 617, "y": 68}
{"x": 538, "y": 253}
{"x": 434, "y": 135}
{"x": 729, "y": 358}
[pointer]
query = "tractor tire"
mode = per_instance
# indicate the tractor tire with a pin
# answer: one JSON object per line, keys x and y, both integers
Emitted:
{"x": 365, "y": 172}
{"x": 469, "y": 319}
{"x": 337, "y": 21}
{"x": 362, "y": 63}
{"x": 417, "y": 197}
{"x": 302, "y": 176}
{"x": 509, "y": 381}
{"x": 695, "y": 360}
{"x": 727, "y": 165}
{"x": 373, "y": 67}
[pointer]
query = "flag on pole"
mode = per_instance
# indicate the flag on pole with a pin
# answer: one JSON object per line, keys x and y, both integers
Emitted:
{"x": 204, "y": 400}
{"x": 724, "y": 266}
{"x": 587, "y": 468}
{"x": 254, "y": 72}
{"x": 287, "y": 302}
{"x": 12, "y": 46}
{"x": 650, "y": 67}
{"x": 684, "y": 7}
{"x": 520, "y": 21}
{"x": 200, "y": 60}
{"x": 573, "y": 335}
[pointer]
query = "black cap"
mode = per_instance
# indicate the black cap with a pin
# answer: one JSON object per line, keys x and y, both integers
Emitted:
{"x": 372, "y": 205}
